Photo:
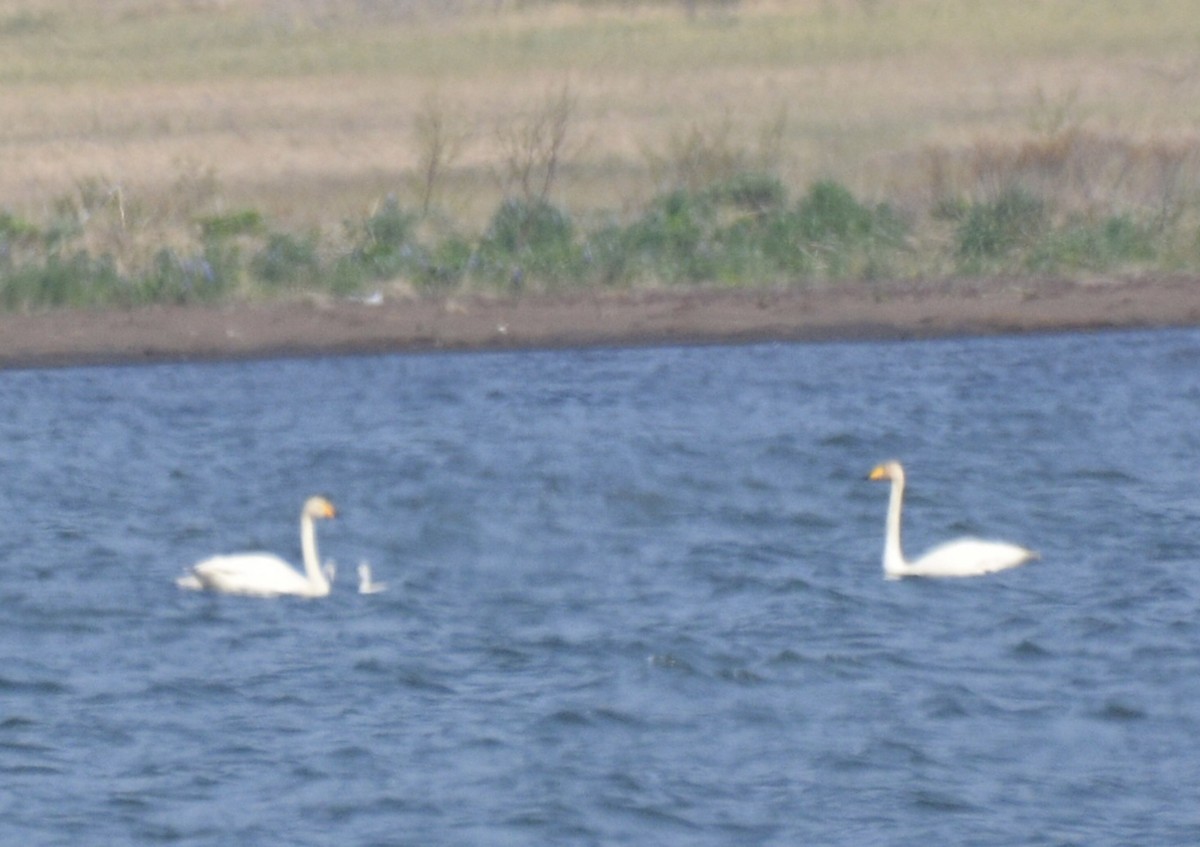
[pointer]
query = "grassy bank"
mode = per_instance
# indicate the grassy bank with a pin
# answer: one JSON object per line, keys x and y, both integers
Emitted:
{"x": 747, "y": 229}
{"x": 179, "y": 149}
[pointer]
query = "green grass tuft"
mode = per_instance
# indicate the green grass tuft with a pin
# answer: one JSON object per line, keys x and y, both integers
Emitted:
{"x": 741, "y": 230}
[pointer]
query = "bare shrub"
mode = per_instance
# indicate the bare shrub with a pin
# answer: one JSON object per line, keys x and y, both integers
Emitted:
{"x": 440, "y": 141}
{"x": 702, "y": 156}
{"x": 533, "y": 148}
{"x": 1074, "y": 169}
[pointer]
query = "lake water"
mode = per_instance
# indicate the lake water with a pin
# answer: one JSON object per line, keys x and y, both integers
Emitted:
{"x": 635, "y": 598}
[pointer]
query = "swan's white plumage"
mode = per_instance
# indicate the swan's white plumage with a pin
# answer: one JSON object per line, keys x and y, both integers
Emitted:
{"x": 265, "y": 574}
{"x": 365, "y": 584}
{"x": 962, "y": 557}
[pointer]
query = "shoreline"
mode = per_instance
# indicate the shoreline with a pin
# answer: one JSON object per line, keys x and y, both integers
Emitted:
{"x": 860, "y": 311}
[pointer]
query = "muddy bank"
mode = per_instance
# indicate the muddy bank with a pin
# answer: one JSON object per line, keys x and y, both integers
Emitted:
{"x": 862, "y": 311}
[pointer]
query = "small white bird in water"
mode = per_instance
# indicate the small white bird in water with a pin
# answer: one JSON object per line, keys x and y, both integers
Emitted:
{"x": 962, "y": 557}
{"x": 365, "y": 585}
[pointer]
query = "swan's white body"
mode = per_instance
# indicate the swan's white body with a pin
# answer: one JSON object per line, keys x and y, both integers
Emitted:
{"x": 265, "y": 574}
{"x": 365, "y": 585}
{"x": 962, "y": 557}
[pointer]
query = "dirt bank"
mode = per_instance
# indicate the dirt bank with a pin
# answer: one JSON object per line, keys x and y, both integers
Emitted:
{"x": 863, "y": 311}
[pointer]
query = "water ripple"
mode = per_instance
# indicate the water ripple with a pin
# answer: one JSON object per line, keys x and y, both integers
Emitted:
{"x": 635, "y": 598}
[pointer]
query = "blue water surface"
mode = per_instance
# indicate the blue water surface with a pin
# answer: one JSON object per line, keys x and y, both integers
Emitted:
{"x": 635, "y": 598}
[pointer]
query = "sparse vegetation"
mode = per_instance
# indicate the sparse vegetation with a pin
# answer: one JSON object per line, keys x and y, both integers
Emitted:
{"x": 483, "y": 146}
{"x": 743, "y": 231}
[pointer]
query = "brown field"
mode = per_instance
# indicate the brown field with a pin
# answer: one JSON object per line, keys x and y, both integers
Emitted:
{"x": 145, "y": 114}
{"x": 309, "y": 111}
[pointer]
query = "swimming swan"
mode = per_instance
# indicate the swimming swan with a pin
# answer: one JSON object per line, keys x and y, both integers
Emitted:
{"x": 264, "y": 574}
{"x": 365, "y": 585}
{"x": 961, "y": 557}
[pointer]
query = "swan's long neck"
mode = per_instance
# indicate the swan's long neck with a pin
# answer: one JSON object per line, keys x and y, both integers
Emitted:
{"x": 312, "y": 564}
{"x": 893, "y": 555}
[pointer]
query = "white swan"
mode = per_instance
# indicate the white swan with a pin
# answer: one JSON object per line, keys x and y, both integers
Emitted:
{"x": 365, "y": 585}
{"x": 961, "y": 557}
{"x": 264, "y": 574}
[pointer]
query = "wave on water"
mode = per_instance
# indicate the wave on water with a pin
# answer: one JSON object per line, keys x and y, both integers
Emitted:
{"x": 635, "y": 596}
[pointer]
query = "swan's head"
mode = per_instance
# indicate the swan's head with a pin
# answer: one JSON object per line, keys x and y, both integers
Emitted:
{"x": 319, "y": 507}
{"x": 888, "y": 470}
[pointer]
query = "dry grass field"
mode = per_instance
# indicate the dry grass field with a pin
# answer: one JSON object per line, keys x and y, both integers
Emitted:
{"x": 311, "y": 111}
{"x": 125, "y": 126}
{"x": 198, "y": 152}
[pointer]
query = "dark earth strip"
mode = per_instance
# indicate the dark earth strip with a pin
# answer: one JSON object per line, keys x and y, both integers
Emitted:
{"x": 589, "y": 319}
